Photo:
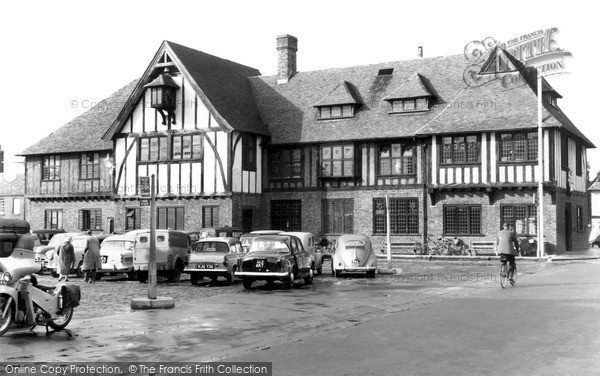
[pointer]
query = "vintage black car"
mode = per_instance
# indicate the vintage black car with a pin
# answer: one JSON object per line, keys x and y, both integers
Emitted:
{"x": 276, "y": 258}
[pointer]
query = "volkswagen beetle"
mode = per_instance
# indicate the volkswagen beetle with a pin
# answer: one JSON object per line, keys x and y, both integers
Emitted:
{"x": 354, "y": 254}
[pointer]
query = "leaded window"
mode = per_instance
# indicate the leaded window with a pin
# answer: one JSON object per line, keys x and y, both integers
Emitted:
{"x": 89, "y": 167}
{"x": 170, "y": 217}
{"x": 153, "y": 149}
{"x": 396, "y": 159}
{"x": 462, "y": 219}
{"x": 51, "y": 167}
{"x": 404, "y": 216}
{"x": 459, "y": 149}
{"x": 338, "y": 216}
{"x": 522, "y": 218}
{"x": 337, "y": 161}
{"x": 285, "y": 164}
{"x": 518, "y": 147}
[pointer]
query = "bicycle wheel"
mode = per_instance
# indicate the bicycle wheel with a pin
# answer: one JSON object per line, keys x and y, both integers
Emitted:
{"x": 504, "y": 275}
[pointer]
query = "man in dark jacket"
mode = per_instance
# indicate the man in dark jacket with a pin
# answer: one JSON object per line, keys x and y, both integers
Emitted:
{"x": 507, "y": 245}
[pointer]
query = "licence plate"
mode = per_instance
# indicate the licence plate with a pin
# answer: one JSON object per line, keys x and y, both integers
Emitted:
{"x": 354, "y": 262}
{"x": 259, "y": 263}
{"x": 205, "y": 266}
{"x": 104, "y": 259}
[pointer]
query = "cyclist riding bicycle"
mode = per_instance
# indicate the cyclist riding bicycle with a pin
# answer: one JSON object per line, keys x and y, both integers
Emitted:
{"x": 507, "y": 246}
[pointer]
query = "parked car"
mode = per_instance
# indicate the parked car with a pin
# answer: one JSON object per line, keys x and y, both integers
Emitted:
{"x": 214, "y": 257}
{"x": 595, "y": 235}
{"x": 327, "y": 244}
{"x": 116, "y": 253}
{"x": 220, "y": 232}
{"x": 56, "y": 240}
{"x": 172, "y": 254}
{"x": 79, "y": 243}
{"x": 247, "y": 238}
{"x": 308, "y": 242}
{"x": 276, "y": 258}
{"x": 354, "y": 254}
{"x": 46, "y": 235}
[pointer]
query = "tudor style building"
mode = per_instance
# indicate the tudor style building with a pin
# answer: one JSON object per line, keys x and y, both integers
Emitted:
{"x": 316, "y": 151}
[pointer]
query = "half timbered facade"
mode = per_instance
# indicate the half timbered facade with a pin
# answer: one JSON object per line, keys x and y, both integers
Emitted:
{"x": 317, "y": 151}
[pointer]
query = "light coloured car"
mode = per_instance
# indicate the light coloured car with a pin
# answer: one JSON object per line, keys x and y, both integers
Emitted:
{"x": 213, "y": 258}
{"x": 79, "y": 242}
{"x": 247, "y": 238}
{"x": 354, "y": 254}
{"x": 116, "y": 254}
{"x": 308, "y": 242}
{"x": 57, "y": 239}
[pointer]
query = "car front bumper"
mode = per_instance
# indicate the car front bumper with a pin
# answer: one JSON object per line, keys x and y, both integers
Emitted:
{"x": 355, "y": 269}
{"x": 261, "y": 274}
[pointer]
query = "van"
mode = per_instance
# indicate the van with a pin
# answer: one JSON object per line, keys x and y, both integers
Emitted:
{"x": 220, "y": 232}
{"x": 171, "y": 254}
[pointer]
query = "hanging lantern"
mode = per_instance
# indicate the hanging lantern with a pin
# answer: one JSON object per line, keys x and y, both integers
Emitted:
{"x": 162, "y": 96}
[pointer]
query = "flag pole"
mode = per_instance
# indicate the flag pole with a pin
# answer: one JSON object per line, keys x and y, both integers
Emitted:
{"x": 540, "y": 193}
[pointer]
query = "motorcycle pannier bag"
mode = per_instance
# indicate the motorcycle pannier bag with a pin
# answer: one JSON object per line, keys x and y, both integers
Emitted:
{"x": 71, "y": 295}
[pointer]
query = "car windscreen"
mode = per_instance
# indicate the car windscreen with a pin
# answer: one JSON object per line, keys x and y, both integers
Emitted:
{"x": 117, "y": 244}
{"x": 56, "y": 240}
{"x": 218, "y": 247}
{"x": 268, "y": 246}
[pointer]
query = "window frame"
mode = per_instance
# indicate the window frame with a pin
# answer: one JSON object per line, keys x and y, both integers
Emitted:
{"x": 89, "y": 169}
{"x": 345, "y": 111}
{"x": 277, "y": 165}
{"x": 530, "y": 209}
{"x": 2, "y": 206}
{"x": 579, "y": 218}
{"x": 213, "y": 209}
{"x": 409, "y": 105}
{"x": 178, "y": 220}
{"x": 527, "y": 149}
{"x": 136, "y": 218}
{"x": 401, "y": 158}
{"x": 286, "y": 209}
{"x": 332, "y": 159}
{"x": 331, "y": 207}
{"x": 161, "y": 156}
{"x": 471, "y": 223}
{"x": 579, "y": 160}
{"x": 51, "y": 171}
{"x": 454, "y": 159}
{"x": 90, "y": 219}
{"x": 196, "y": 150}
{"x": 380, "y": 219}
{"x": 564, "y": 152}
{"x": 249, "y": 152}
{"x": 49, "y": 214}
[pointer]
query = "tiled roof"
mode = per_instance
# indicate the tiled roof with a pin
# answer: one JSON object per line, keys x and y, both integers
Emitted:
{"x": 341, "y": 94}
{"x": 412, "y": 88}
{"x": 84, "y": 133}
{"x": 486, "y": 105}
{"x": 15, "y": 187}
{"x": 222, "y": 85}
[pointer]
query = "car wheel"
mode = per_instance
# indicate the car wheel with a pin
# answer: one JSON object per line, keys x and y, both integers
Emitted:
{"x": 289, "y": 280}
{"x": 53, "y": 273}
{"x": 311, "y": 275}
{"x": 231, "y": 276}
{"x": 371, "y": 274}
{"x": 195, "y": 278}
{"x": 132, "y": 276}
{"x": 337, "y": 274}
{"x": 142, "y": 277}
{"x": 247, "y": 283}
{"x": 99, "y": 276}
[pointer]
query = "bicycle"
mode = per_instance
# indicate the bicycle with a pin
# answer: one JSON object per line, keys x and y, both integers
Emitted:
{"x": 423, "y": 249}
{"x": 504, "y": 273}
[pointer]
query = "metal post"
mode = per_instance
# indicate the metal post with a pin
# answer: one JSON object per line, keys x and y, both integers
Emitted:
{"x": 540, "y": 237}
{"x": 387, "y": 230}
{"x": 152, "y": 257}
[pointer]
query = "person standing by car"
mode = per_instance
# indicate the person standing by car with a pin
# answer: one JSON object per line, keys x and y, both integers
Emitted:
{"x": 66, "y": 259}
{"x": 91, "y": 258}
{"x": 507, "y": 246}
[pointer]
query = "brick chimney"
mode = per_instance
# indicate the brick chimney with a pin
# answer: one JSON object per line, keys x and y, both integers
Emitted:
{"x": 287, "y": 46}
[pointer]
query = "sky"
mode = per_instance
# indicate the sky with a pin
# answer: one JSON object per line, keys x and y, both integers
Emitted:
{"x": 62, "y": 56}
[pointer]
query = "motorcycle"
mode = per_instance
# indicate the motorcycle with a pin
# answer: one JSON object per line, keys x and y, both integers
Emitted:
{"x": 24, "y": 302}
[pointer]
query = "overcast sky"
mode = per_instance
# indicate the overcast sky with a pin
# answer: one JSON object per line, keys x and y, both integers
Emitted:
{"x": 56, "y": 52}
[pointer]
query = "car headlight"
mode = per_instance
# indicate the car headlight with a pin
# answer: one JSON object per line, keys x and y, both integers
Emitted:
{"x": 5, "y": 278}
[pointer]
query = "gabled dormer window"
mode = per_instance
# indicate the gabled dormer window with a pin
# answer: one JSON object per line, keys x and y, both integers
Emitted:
{"x": 410, "y": 105}
{"x": 336, "y": 112}
{"x": 414, "y": 95}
